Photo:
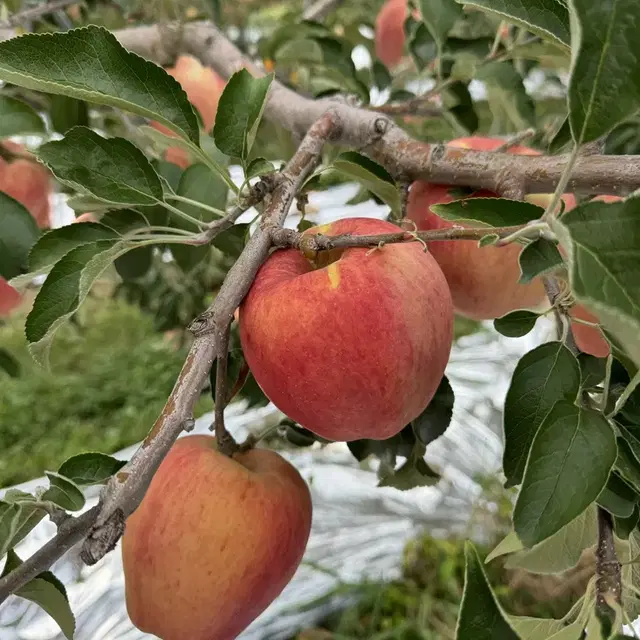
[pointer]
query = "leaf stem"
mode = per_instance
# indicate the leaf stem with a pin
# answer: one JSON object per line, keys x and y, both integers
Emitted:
{"x": 562, "y": 183}
{"x": 183, "y": 215}
{"x": 195, "y": 203}
{"x": 626, "y": 394}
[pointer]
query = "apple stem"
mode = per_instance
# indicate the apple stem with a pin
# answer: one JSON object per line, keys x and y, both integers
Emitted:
{"x": 225, "y": 441}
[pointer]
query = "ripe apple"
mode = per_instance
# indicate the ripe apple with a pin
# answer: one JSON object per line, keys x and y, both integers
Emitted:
{"x": 9, "y": 298}
{"x": 354, "y": 344}
{"x": 28, "y": 182}
{"x": 203, "y": 87}
{"x": 214, "y": 541}
{"x": 389, "y": 32}
{"x": 483, "y": 280}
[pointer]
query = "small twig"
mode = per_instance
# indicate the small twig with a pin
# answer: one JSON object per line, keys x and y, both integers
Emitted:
{"x": 608, "y": 575}
{"x": 36, "y": 12}
{"x": 320, "y": 9}
{"x": 515, "y": 139}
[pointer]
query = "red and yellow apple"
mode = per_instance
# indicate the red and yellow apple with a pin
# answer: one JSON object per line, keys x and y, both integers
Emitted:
{"x": 9, "y": 298}
{"x": 214, "y": 541}
{"x": 354, "y": 343}
{"x": 203, "y": 87}
{"x": 483, "y": 280}
{"x": 389, "y": 32}
{"x": 28, "y": 182}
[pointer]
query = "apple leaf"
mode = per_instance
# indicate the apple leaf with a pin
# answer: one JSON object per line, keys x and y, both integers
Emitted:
{"x": 134, "y": 264}
{"x": 9, "y": 364}
{"x": 201, "y": 184}
{"x": 111, "y": 169}
{"x": 18, "y": 233}
{"x": 9, "y": 525}
{"x": 48, "y": 593}
{"x": 509, "y": 544}
{"x": 562, "y": 550}
{"x": 460, "y": 105}
{"x": 603, "y": 246}
{"x": 439, "y": 16}
{"x": 627, "y": 465}
{"x": 547, "y": 18}
{"x": 592, "y": 370}
{"x": 90, "y": 64}
{"x": 542, "y": 377}
{"x": 239, "y": 113}
{"x": 537, "y": 258}
{"x": 617, "y": 497}
{"x": 557, "y": 486}
{"x": 30, "y": 515}
{"x": 67, "y": 113}
{"x": 231, "y": 242}
{"x": 490, "y": 212}
{"x": 631, "y": 436}
{"x": 415, "y": 472}
{"x": 63, "y": 492}
{"x": 480, "y": 617}
{"x": 65, "y": 289}
{"x": 90, "y": 468}
{"x": 18, "y": 118}
{"x": 516, "y": 324}
{"x": 605, "y": 72}
{"x": 259, "y": 167}
{"x": 624, "y": 526}
{"x": 436, "y": 417}
{"x": 371, "y": 176}
{"x": 529, "y": 628}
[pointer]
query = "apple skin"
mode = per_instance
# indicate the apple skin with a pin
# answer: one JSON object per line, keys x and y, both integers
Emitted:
{"x": 9, "y": 298}
{"x": 483, "y": 280}
{"x": 389, "y": 32}
{"x": 203, "y": 87}
{"x": 27, "y": 182}
{"x": 214, "y": 541}
{"x": 357, "y": 348}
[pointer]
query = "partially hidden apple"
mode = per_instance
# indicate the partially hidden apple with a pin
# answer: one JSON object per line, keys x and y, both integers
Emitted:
{"x": 352, "y": 344}
{"x": 214, "y": 541}
{"x": 203, "y": 87}
{"x": 9, "y": 298}
{"x": 389, "y": 32}
{"x": 483, "y": 280}
{"x": 28, "y": 182}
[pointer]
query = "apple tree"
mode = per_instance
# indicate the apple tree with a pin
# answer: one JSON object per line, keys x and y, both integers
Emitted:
{"x": 501, "y": 135}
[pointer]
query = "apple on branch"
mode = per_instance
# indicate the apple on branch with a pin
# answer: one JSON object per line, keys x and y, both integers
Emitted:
{"x": 214, "y": 540}
{"x": 351, "y": 343}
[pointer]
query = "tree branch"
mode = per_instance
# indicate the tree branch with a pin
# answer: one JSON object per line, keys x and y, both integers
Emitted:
{"x": 34, "y": 13}
{"x": 608, "y": 569}
{"x": 320, "y": 9}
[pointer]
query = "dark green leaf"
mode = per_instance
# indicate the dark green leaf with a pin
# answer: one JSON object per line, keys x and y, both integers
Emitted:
{"x": 67, "y": 113}
{"x": 436, "y": 417}
{"x": 63, "y": 492}
{"x": 480, "y": 617}
{"x": 459, "y": 103}
{"x": 8, "y": 363}
{"x": 440, "y": 16}
{"x": 542, "y": 377}
{"x": 422, "y": 46}
{"x": 90, "y": 468}
{"x": 134, "y": 264}
{"x": 603, "y": 241}
{"x": 299, "y": 436}
{"x": 592, "y": 370}
{"x": 491, "y": 212}
{"x": 402, "y": 444}
{"x": 239, "y": 113}
{"x": 259, "y": 167}
{"x": 516, "y": 324}
{"x": 231, "y": 242}
{"x": 415, "y": 472}
{"x": 632, "y": 436}
{"x": 201, "y": 184}
{"x": 605, "y": 72}
{"x": 546, "y": 18}
{"x": 90, "y": 64}
{"x": 381, "y": 76}
{"x": 618, "y": 498}
{"x": 9, "y": 524}
{"x": 537, "y": 258}
{"x": 557, "y": 486}
{"x": 235, "y": 365}
{"x": 18, "y": 233}
{"x": 18, "y": 118}
{"x": 624, "y": 526}
{"x": 627, "y": 465}
{"x": 113, "y": 170}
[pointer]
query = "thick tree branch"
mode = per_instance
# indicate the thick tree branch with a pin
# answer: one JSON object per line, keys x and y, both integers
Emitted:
{"x": 608, "y": 569}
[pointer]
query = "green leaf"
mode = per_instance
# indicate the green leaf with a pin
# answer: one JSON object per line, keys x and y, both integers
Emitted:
{"x": 90, "y": 468}
{"x": 547, "y": 18}
{"x": 557, "y": 486}
{"x": 490, "y": 212}
{"x": 64, "y": 290}
{"x": 440, "y": 16}
{"x": 259, "y": 167}
{"x": 67, "y": 113}
{"x": 371, "y": 175}
{"x": 111, "y": 169}
{"x": 542, "y": 377}
{"x": 481, "y": 617}
{"x": 239, "y": 113}
{"x": 415, "y": 472}
{"x": 627, "y": 465}
{"x": 231, "y": 242}
{"x": 537, "y": 258}
{"x": 562, "y": 550}
{"x": 460, "y": 105}
{"x": 436, "y": 417}
{"x": 9, "y": 523}
{"x": 90, "y": 64}
{"x": 509, "y": 544}
{"x": 134, "y": 264}
{"x": 63, "y": 492}
{"x": 516, "y": 324}
{"x": 48, "y": 593}
{"x": 624, "y": 526}
{"x": 632, "y": 438}
{"x": 30, "y": 515}
{"x": 617, "y": 497}
{"x": 18, "y": 118}
{"x": 9, "y": 364}
{"x": 603, "y": 245}
{"x": 536, "y": 628}
{"x": 592, "y": 369}
{"x": 198, "y": 182}
{"x": 18, "y": 233}
{"x": 605, "y": 71}
{"x": 422, "y": 46}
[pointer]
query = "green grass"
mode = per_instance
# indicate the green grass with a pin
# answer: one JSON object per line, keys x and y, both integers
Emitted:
{"x": 108, "y": 380}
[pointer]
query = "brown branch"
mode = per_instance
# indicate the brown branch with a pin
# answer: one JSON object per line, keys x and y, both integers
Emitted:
{"x": 36, "y": 12}
{"x": 608, "y": 568}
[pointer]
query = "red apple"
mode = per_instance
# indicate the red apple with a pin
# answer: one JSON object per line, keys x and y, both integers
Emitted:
{"x": 483, "y": 280}
{"x": 588, "y": 339}
{"x": 9, "y": 298}
{"x": 214, "y": 541}
{"x": 355, "y": 345}
{"x": 389, "y": 32}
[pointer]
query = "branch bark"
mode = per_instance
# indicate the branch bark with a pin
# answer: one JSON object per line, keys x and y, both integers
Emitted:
{"x": 608, "y": 569}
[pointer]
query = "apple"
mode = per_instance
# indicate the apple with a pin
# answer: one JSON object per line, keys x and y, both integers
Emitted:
{"x": 86, "y": 217}
{"x": 203, "y": 87}
{"x": 9, "y": 298}
{"x": 483, "y": 280}
{"x": 389, "y": 32}
{"x": 27, "y": 182}
{"x": 214, "y": 541}
{"x": 354, "y": 343}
